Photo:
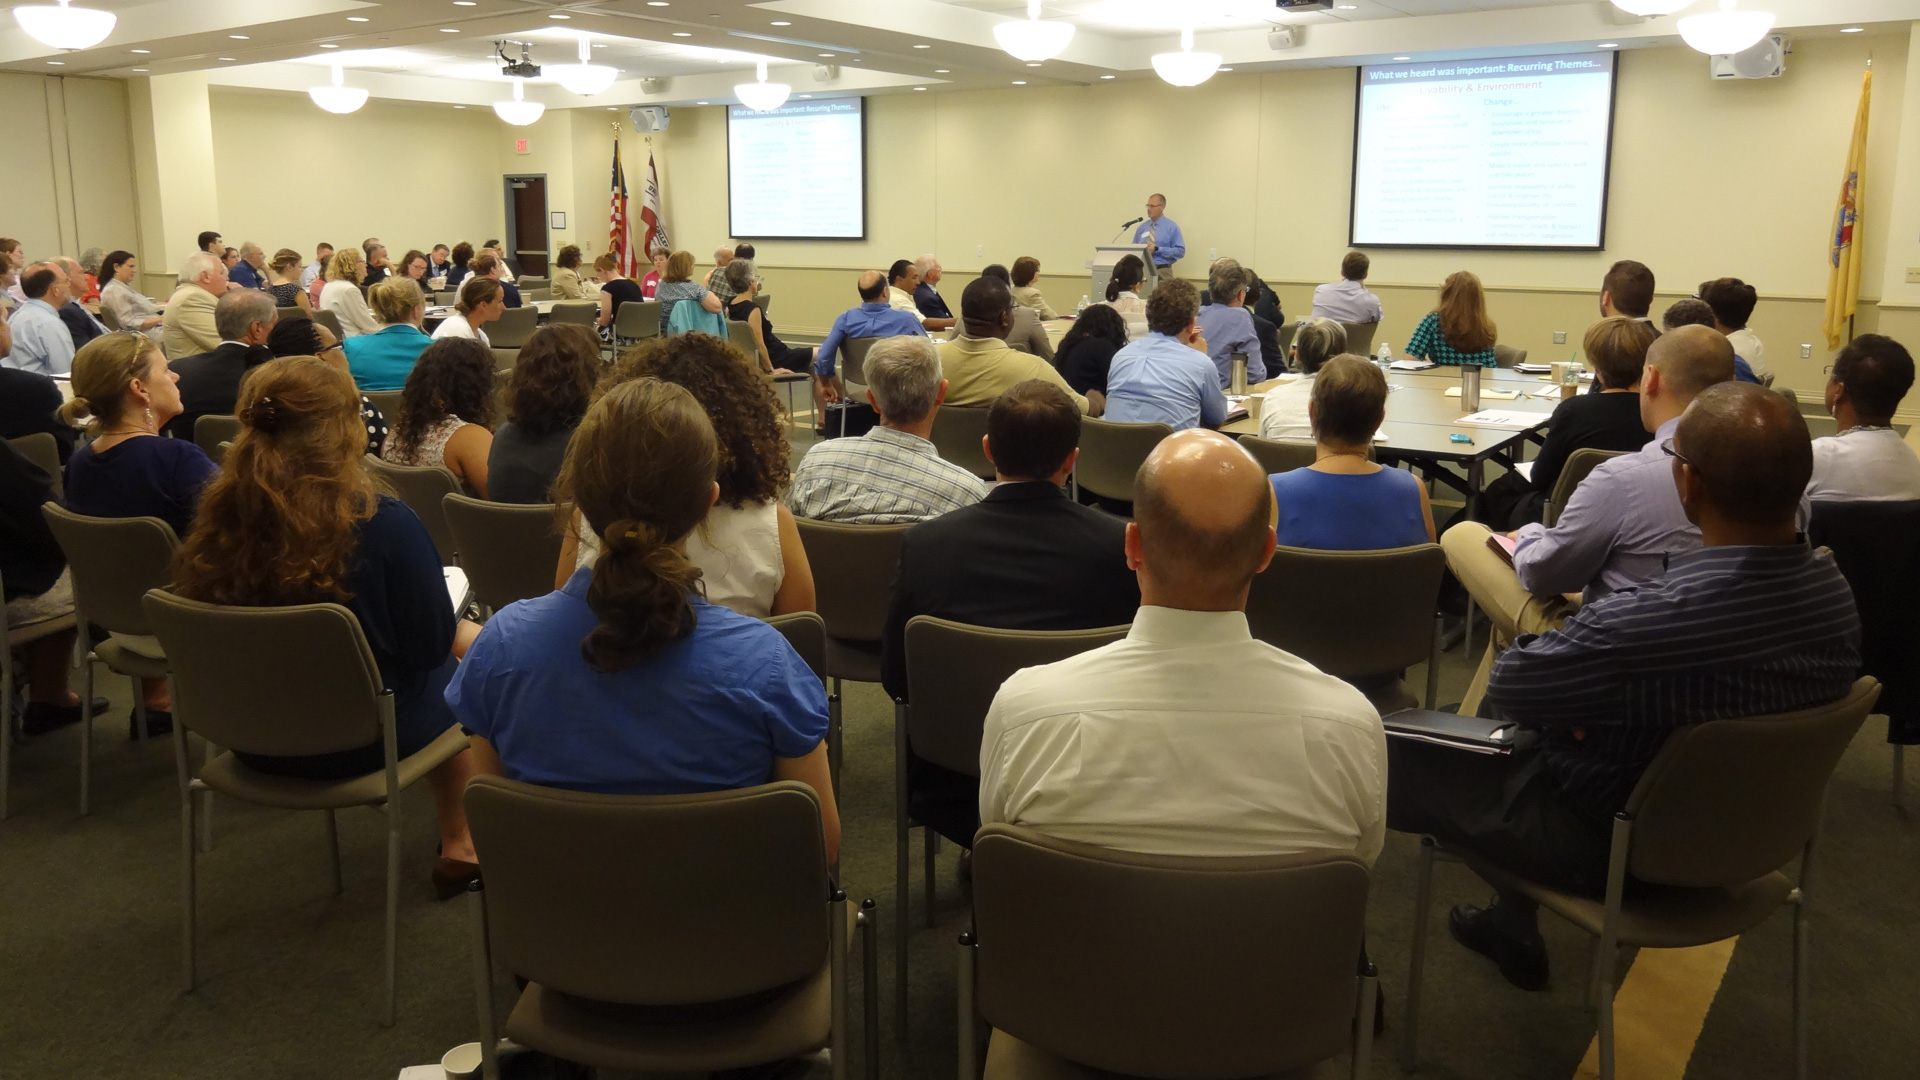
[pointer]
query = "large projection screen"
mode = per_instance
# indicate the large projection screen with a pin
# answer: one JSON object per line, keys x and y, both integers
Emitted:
{"x": 798, "y": 172}
{"x": 1508, "y": 153}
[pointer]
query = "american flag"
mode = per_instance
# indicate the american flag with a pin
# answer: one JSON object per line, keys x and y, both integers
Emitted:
{"x": 656, "y": 235}
{"x": 618, "y": 234}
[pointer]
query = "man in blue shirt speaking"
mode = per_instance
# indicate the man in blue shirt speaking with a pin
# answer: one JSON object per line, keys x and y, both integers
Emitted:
{"x": 873, "y": 318}
{"x": 1164, "y": 243}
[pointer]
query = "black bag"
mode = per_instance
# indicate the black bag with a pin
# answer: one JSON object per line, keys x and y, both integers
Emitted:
{"x": 858, "y": 416}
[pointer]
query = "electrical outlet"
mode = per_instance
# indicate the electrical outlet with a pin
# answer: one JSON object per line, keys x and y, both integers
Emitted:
{"x": 1806, "y": 352}
{"x": 1213, "y": 254}
{"x": 1559, "y": 337}
{"x": 1913, "y": 275}
{"x": 980, "y": 250}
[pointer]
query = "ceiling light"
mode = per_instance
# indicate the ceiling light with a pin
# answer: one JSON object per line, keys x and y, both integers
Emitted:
{"x": 1034, "y": 63}
{"x": 1852, "y": 29}
{"x": 239, "y": 37}
{"x": 828, "y": 54}
{"x": 1033, "y": 38}
{"x": 326, "y": 45}
{"x": 919, "y": 88}
{"x": 557, "y": 15}
{"x": 1224, "y": 70}
{"x": 519, "y": 112}
{"x": 448, "y": 30}
{"x": 459, "y": 106}
{"x": 1186, "y": 67}
{"x": 358, "y": 18}
{"x": 338, "y": 98}
{"x": 941, "y": 71}
{"x": 65, "y": 27}
{"x": 681, "y": 33}
{"x": 1650, "y": 7}
{"x": 658, "y": 3}
{"x": 142, "y": 52}
{"x": 228, "y": 59}
{"x": 585, "y": 78}
{"x": 139, "y": 70}
{"x": 1726, "y": 31}
{"x": 1609, "y": 45}
{"x": 56, "y": 63}
{"x": 1106, "y": 76}
{"x": 923, "y": 46}
{"x": 762, "y": 96}
{"x": 782, "y": 22}
{"x": 1403, "y": 58}
{"x": 703, "y": 103}
{"x": 465, "y": 3}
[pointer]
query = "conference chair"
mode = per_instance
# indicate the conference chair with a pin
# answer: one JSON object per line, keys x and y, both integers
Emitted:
{"x": 284, "y": 682}
{"x": 1786, "y": 392}
{"x": 446, "y": 297}
{"x": 1705, "y": 837}
{"x": 20, "y": 637}
{"x": 740, "y": 336}
{"x": 635, "y": 321}
{"x": 504, "y": 361}
{"x": 507, "y": 550}
{"x": 1284, "y": 335}
{"x": 1088, "y": 961}
{"x": 108, "y": 319}
{"x": 423, "y": 488}
{"x": 584, "y": 312}
{"x": 1110, "y": 455}
{"x": 1361, "y": 616}
{"x": 293, "y": 312}
{"x": 211, "y": 430}
{"x": 852, "y": 367}
{"x": 807, "y": 633}
{"x": 531, "y": 284}
{"x": 1876, "y": 546}
{"x": 1360, "y": 337}
{"x": 764, "y": 302}
{"x": 113, "y": 561}
{"x": 853, "y": 567}
{"x": 329, "y": 320}
{"x": 664, "y": 933}
{"x": 953, "y": 672}
{"x": 514, "y": 327}
{"x": 1507, "y": 356}
{"x": 387, "y": 401}
{"x": 43, "y": 450}
{"x": 1280, "y": 455}
{"x": 1579, "y": 464}
{"x": 957, "y": 431}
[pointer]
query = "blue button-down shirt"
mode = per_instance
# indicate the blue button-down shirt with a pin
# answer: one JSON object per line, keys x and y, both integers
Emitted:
{"x": 1173, "y": 246}
{"x": 1229, "y": 330}
{"x": 244, "y": 273}
{"x": 1161, "y": 380}
{"x": 877, "y": 319}
{"x": 41, "y": 340}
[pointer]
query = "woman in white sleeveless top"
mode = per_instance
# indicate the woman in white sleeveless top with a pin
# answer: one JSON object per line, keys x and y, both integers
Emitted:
{"x": 748, "y": 550}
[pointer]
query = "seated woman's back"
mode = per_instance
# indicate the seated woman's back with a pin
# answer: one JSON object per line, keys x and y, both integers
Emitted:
{"x": 547, "y": 394}
{"x": 1349, "y": 511}
{"x": 446, "y": 413}
{"x": 123, "y": 382}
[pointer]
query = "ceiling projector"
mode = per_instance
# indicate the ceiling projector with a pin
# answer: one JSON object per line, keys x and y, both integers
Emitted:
{"x": 524, "y": 68}
{"x": 1304, "y": 5}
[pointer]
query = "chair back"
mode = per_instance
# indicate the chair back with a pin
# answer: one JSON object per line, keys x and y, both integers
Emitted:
{"x": 422, "y": 488}
{"x": 293, "y": 312}
{"x": 957, "y": 431}
{"x": 514, "y": 326}
{"x": 637, "y": 319}
{"x": 1507, "y": 356}
{"x": 1173, "y": 967}
{"x": 1876, "y": 546}
{"x": 212, "y": 429}
{"x": 807, "y": 633}
{"x": 43, "y": 450}
{"x": 1729, "y": 801}
{"x": 532, "y": 284}
{"x": 954, "y": 670}
{"x": 740, "y": 336}
{"x": 764, "y": 302}
{"x": 1579, "y": 464}
{"x": 853, "y": 360}
{"x": 504, "y": 361}
{"x": 584, "y": 312}
{"x": 1280, "y": 455}
{"x": 278, "y": 681}
{"x": 653, "y": 899}
{"x": 329, "y": 320}
{"x": 446, "y": 297}
{"x": 1360, "y": 336}
{"x": 1349, "y": 613}
{"x": 1284, "y": 336}
{"x": 853, "y": 568}
{"x": 108, "y": 319}
{"x": 1110, "y": 455}
{"x": 1786, "y": 392}
{"x": 387, "y": 401}
{"x": 508, "y": 550}
{"x": 114, "y": 562}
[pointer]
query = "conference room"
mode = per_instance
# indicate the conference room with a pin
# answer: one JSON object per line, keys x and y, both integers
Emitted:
{"x": 1202, "y": 401}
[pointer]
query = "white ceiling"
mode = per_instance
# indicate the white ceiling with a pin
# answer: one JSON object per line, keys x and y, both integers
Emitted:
{"x": 442, "y": 50}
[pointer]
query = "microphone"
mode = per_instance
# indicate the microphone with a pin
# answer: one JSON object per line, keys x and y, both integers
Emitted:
{"x": 1134, "y": 222}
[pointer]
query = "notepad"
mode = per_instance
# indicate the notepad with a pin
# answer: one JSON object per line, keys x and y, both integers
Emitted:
{"x": 458, "y": 590}
{"x": 1412, "y": 365}
{"x": 1503, "y": 546}
{"x": 1497, "y": 418}
{"x": 1493, "y": 392}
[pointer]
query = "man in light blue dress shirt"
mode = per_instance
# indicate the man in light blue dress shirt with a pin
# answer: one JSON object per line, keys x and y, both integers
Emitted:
{"x": 1166, "y": 377}
{"x": 41, "y": 340}
{"x": 1160, "y": 234}
{"x": 873, "y": 318}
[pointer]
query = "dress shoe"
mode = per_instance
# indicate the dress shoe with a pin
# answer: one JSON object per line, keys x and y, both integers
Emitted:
{"x": 42, "y": 717}
{"x": 1522, "y": 955}
{"x": 159, "y": 722}
{"x": 452, "y": 876}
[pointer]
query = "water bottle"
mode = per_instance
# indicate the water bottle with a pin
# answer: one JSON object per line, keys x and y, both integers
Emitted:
{"x": 1384, "y": 357}
{"x": 1083, "y": 305}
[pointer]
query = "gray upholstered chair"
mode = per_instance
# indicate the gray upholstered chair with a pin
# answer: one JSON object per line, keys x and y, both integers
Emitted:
{"x": 508, "y": 550}
{"x": 514, "y": 327}
{"x": 853, "y": 568}
{"x": 1110, "y": 455}
{"x": 43, "y": 450}
{"x": 211, "y": 430}
{"x": 1579, "y": 464}
{"x": 18, "y": 637}
{"x": 1280, "y": 455}
{"x": 424, "y": 488}
{"x": 957, "y": 431}
{"x": 1360, "y": 337}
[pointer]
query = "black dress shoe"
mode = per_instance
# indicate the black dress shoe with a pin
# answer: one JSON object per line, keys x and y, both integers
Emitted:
{"x": 159, "y": 722}
{"x": 1522, "y": 956}
{"x": 42, "y": 717}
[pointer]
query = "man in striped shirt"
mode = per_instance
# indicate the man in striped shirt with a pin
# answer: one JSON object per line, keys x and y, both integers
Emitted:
{"x": 1751, "y": 624}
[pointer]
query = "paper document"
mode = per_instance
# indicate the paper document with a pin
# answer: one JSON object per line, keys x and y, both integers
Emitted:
{"x": 1470, "y": 733}
{"x": 457, "y": 589}
{"x": 1525, "y": 469}
{"x": 1533, "y": 369}
{"x": 1413, "y": 365}
{"x": 1497, "y": 418}
{"x": 1493, "y": 392}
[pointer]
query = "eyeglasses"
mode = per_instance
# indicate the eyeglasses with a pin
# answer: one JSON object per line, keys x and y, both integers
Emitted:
{"x": 1828, "y": 370}
{"x": 1666, "y": 447}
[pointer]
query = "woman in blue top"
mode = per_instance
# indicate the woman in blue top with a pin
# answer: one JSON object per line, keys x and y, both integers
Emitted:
{"x": 1459, "y": 333}
{"x": 626, "y": 680}
{"x": 383, "y": 359}
{"x": 1344, "y": 502}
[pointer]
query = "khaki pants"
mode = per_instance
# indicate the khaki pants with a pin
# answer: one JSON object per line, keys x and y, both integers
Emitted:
{"x": 1512, "y": 610}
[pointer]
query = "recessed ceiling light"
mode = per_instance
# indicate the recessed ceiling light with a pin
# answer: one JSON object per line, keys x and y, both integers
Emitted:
{"x": 465, "y": 3}
{"x": 1852, "y": 29}
{"x": 1019, "y": 82}
{"x": 828, "y": 54}
{"x": 782, "y": 22}
{"x": 658, "y": 3}
{"x": 923, "y": 46}
{"x": 703, "y": 103}
{"x": 448, "y": 30}
{"x": 142, "y": 52}
{"x": 329, "y": 46}
{"x": 681, "y": 33}
{"x": 1106, "y": 76}
{"x": 1226, "y": 69}
{"x": 239, "y": 37}
{"x": 919, "y": 88}
{"x": 806, "y": 95}
{"x": 1403, "y": 58}
{"x": 358, "y": 18}
{"x": 140, "y": 71}
{"x": 56, "y": 63}
{"x": 942, "y": 71}
{"x": 1609, "y": 45}
{"x": 459, "y": 106}
{"x": 1033, "y": 63}
{"x": 613, "y": 108}
{"x": 557, "y": 15}
{"x": 228, "y": 59}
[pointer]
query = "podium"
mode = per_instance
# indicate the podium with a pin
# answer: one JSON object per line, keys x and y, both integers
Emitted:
{"x": 1104, "y": 258}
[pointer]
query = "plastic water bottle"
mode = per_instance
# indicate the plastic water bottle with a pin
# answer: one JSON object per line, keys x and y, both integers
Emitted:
{"x": 1083, "y": 305}
{"x": 1384, "y": 357}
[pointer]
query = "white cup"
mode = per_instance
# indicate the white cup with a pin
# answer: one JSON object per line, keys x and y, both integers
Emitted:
{"x": 462, "y": 1062}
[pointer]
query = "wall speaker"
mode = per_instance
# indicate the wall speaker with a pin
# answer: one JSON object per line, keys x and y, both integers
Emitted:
{"x": 648, "y": 119}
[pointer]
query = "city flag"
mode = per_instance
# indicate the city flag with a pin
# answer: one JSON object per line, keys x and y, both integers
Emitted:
{"x": 651, "y": 215}
{"x": 619, "y": 235}
{"x": 1843, "y": 256}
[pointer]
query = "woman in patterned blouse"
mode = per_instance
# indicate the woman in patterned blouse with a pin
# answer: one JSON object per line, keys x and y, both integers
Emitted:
{"x": 1459, "y": 333}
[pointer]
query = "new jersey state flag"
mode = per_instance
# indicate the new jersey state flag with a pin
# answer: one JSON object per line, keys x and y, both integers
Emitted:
{"x": 1843, "y": 255}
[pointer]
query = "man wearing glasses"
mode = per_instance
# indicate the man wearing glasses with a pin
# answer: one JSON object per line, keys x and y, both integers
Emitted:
{"x": 1165, "y": 244}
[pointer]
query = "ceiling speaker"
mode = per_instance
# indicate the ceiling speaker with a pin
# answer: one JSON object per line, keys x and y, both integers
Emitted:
{"x": 654, "y": 84}
{"x": 1767, "y": 60}
{"x": 648, "y": 119}
{"x": 826, "y": 72}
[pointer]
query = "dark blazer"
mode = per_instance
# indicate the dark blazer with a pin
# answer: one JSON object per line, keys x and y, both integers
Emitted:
{"x": 1025, "y": 558}
{"x": 30, "y": 560}
{"x": 28, "y": 401}
{"x": 513, "y": 293}
{"x": 1874, "y": 544}
{"x": 81, "y": 325}
{"x": 210, "y": 383}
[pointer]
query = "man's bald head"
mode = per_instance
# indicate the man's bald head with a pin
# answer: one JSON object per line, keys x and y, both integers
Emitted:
{"x": 1749, "y": 450}
{"x": 1690, "y": 359}
{"x": 1203, "y": 517}
{"x": 872, "y": 286}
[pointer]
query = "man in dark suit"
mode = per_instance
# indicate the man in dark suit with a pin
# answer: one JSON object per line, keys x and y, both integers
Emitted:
{"x": 28, "y": 401}
{"x": 210, "y": 382}
{"x": 80, "y": 322}
{"x": 1026, "y": 558}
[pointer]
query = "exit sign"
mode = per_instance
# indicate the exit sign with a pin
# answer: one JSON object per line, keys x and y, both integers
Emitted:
{"x": 519, "y": 146}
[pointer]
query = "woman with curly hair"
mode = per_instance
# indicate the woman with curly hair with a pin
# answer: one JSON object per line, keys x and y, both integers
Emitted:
{"x": 341, "y": 293}
{"x": 462, "y": 256}
{"x": 294, "y": 519}
{"x": 446, "y": 412}
{"x": 748, "y": 549}
{"x": 566, "y": 276}
{"x": 552, "y": 384}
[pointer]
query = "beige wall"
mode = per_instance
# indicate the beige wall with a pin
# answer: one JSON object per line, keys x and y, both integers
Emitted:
{"x": 69, "y": 180}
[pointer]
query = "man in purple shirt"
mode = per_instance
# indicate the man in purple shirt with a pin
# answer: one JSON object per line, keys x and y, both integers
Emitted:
{"x": 873, "y": 318}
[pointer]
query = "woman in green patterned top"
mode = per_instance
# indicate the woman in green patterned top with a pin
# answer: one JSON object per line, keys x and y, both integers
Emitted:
{"x": 1459, "y": 333}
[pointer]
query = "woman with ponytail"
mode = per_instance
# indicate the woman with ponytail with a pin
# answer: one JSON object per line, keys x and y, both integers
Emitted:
{"x": 1123, "y": 288}
{"x": 294, "y": 519}
{"x": 627, "y": 680}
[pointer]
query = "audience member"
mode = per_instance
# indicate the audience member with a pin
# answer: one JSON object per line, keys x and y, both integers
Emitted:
{"x": 508, "y": 271}
{"x": 41, "y": 340}
{"x": 446, "y": 413}
{"x": 1348, "y": 300}
{"x": 615, "y": 289}
{"x": 978, "y": 364}
{"x": 717, "y": 277}
{"x": 892, "y": 474}
{"x": 294, "y": 518}
{"x": 1123, "y": 288}
{"x": 487, "y": 266}
{"x": 1344, "y": 501}
{"x": 1166, "y": 377}
{"x": 90, "y": 261}
{"x": 376, "y": 256}
{"x": 316, "y": 270}
{"x": 627, "y": 680}
{"x": 903, "y": 280}
{"x": 1025, "y": 558}
{"x": 381, "y": 360}
{"x": 677, "y": 287}
{"x": 482, "y": 300}
{"x": 874, "y": 318}
{"x": 439, "y": 262}
{"x": 775, "y": 357}
{"x": 1459, "y": 332}
{"x": 29, "y": 402}
{"x": 304, "y": 337}
{"x": 1285, "y": 411}
{"x": 1754, "y": 622}
{"x": 282, "y": 284}
{"x": 926, "y": 296}
{"x": 1692, "y": 312}
{"x": 12, "y": 297}
{"x": 1026, "y": 271}
{"x": 341, "y": 295}
{"x": 650, "y": 284}
{"x": 81, "y": 325}
{"x": 413, "y": 266}
{"x": 1626, "y": 291}
{"x": 230, "y": 258}
{"x": 1086, "y": 352}
{"x": 1733, "y": 301}
{"x": 1227, "y": 325}
{"x": 209, "y": 384}
{"x": 1083, "y": 749}
{"x": 1868, "y": 460}
{"x": 566, "y": 276}
{"x": 211, "y": 243}
{"x": 462, "y": 264}
{"x": 547, "y": 394}
{"x": 250, "y": 272}
{"x": 1026, "y": 335}
{"x": 38, "y": 590}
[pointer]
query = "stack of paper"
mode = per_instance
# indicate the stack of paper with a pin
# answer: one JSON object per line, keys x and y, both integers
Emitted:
{"x": 1500, "y": 419}
{"x": 1413, "y": 365}
{"x": 1493, "y": 392}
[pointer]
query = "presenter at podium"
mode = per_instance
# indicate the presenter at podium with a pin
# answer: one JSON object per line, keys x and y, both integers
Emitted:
{"x": 1160, "y": 234}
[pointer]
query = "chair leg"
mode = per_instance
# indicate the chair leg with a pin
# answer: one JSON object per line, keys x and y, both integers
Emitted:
{"x": 1433, "y": 661}
{"x": 185, "y": 783}
{"x": 1422, "y": 899}
{"x": 868, "y": 920}
{"x": 1599, "y": 966}
{"x": 1899, "y": 775}
{"x": 393, "y": 905}
{"x": 837, "y": 982}
{"x": 208, "y": 752}
{"x": 900, "y": 846}
{"x": 333, "y": 851}
{"x": 1606, "y": 1024}
{"x": 86, "y": 727}
{"x": 932, "y": 847}
{"x": 969, "y": 1019}
{"x": 6, "y": 724}
{"x": 1801, "y": 989}
{"x": 139, "y": 710}
{"x": 834, "y": 736}
{"x": 483, "y": 982}
{"x": 1363, "y": 1027}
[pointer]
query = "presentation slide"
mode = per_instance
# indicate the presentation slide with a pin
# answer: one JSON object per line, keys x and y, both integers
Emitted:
{"x": 1484, "y": 153}
{"x": 798, "y": 172}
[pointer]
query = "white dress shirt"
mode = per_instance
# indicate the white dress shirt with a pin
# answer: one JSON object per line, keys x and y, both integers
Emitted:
{"x": 1187, "y": 738}
{"x": 456, "y": 325}
{"x": 1283, "y": 412}
{"x": 1746, "y": 346}
{"x": 1864, "y": 465}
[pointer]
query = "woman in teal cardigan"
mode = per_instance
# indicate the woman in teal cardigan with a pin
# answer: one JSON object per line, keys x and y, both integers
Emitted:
{"x": 381, "y": 360}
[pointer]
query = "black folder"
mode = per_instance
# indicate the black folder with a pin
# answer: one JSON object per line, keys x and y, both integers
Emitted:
{"x": 1470, "y": 733}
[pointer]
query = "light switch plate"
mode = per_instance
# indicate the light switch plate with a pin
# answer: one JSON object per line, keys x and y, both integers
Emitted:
{"x": 980, "y": 250}
{"x": 1806, "y": 351}
{"x": 1913, "y": 275}
{"x": 1213, "y": 253}
{"x": 1559, "y": 337}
